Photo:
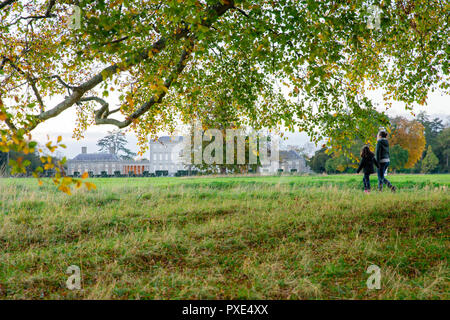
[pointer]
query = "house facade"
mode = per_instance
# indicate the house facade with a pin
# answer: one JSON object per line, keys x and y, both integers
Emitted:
{"x": 104, "y": 162}
{"x": 166, "y": 155}
{"x": 291, "y": 161}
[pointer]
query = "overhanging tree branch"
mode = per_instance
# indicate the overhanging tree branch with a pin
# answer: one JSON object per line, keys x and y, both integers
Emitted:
{"x": 104, "y": 105}
{"x": 214, "y": 12}
{"x": 107, "y": 72}
{"x": 157, "y": 98}
{"x": 49, "y": 8}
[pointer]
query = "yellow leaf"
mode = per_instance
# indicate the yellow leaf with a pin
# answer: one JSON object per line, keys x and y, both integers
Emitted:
{"x": 67, "y": 180}
{"x": 130, "y": 101}
{"x": 90, "y": 185}
{"x": 65, "y": 189}
{"x": 48, "y": 166}
{"x": 84, "y": 175}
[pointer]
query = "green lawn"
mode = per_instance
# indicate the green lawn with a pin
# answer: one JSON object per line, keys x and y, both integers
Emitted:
{"x": 290, "y": 237}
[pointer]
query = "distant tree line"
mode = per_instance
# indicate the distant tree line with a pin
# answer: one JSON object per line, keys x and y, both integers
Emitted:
{"x": 33, "y": 158}
{"x": 416, "y": 146}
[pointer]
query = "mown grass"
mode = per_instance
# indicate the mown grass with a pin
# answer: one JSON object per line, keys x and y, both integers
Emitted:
{"x": 226, "y": 238}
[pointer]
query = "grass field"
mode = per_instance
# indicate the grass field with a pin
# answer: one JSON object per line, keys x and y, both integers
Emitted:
{"x": 293, "y": 237}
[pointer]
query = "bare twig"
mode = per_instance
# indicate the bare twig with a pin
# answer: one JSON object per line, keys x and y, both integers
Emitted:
{"x": 57, "y": 77}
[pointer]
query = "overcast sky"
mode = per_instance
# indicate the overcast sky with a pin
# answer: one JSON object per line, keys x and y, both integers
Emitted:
{"x": 63, "y": 125}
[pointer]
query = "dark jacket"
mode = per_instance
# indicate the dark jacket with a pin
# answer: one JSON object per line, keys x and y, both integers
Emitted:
{"x": 382, "y": 150}
{"x": 367, "y": 163}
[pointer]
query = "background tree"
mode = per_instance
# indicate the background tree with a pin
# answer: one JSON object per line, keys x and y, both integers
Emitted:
{"x": 443, "y": 149}
{"x": 33, "y": 161}
{"x": 336, "y": 164}
{"x": 115, "y": 142}
{"x": 318, "y": 161}
{"x": 433, "y": 127}
{"x": 33, "y": 158}
{"x": 398, "y": 157}
{"x": 345, "y": 161}
{"x": 430, "y": 161}
{"x": 409, "y": 134}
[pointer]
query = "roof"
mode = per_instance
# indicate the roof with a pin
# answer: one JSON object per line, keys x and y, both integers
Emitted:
{"x": 289, "y": 155}
{"x": 169, "y": 139}
{"x": 96, "y": 157}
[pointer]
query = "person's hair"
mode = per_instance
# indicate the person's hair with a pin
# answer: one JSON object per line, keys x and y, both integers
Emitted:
{"x": 365, "y": 152}
{"x": 383, "y": 134}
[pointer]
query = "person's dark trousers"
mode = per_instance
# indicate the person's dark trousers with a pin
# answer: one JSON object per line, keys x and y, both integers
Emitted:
{"x": 366, "y": 181}
{"x": 381, "y": 179}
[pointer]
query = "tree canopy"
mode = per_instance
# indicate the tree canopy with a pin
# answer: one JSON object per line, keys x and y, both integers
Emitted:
{"x": 115, "y": 142}
{"x": 398, "y": 157}
{"x": 430, "y": 161}
{"x": 444, "y": 149}
{"x": 145, "y": 64}
{"x": 409, "y": 134}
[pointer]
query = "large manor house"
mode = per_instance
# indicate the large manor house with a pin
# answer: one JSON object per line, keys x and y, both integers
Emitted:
{"x": 166, "y": 158}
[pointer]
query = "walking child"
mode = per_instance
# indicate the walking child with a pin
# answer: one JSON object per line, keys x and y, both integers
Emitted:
{"x": 366, "y": 164}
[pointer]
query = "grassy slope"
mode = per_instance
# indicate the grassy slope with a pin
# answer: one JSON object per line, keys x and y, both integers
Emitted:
{"x": 249, "y": 237}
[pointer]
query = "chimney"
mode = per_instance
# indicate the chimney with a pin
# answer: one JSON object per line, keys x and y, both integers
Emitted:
{"x": 84, "y": 150}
